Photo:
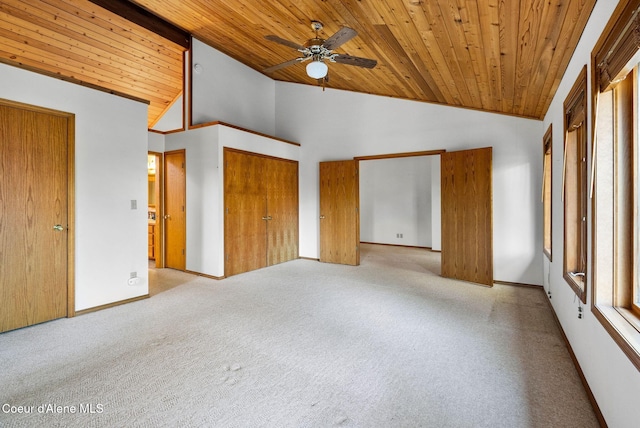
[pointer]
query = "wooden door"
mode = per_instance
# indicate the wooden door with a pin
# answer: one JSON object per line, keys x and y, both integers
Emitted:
{"x": 339, "y": 212}
{"x": 245, "y": 219}
{"x": 282, "y": 210}
{"x": 467, "y": 219}
{"x": 174, "y": 209}
{"x": 36, "y": 211}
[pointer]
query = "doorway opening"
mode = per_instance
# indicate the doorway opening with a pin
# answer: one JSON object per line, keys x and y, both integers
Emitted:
{"x": 400, "y": 201}
{"x": 155, "y": 209}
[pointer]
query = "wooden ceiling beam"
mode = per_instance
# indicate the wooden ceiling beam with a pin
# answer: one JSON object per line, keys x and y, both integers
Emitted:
{"x": 142, "y": 17}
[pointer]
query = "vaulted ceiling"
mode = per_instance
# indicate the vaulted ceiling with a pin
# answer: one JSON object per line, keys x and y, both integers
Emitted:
{"x": 501, "y": 56}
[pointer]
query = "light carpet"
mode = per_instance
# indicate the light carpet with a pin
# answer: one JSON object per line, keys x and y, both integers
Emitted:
{"x": 302, "y": 344}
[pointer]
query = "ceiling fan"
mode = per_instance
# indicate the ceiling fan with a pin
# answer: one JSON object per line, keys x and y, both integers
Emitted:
{"x": 320, "y": 51}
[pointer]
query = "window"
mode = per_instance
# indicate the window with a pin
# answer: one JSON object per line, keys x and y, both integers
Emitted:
{"x": 616, "y": 182}
{"x": 574, "y": 187}
{"x": 546, "y": 191}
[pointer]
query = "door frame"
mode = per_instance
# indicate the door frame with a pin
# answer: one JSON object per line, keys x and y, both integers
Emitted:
{"x": 71, "y": 180}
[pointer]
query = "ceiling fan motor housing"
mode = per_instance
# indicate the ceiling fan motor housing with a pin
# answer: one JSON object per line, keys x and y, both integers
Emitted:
{"x": 315, "y": 45}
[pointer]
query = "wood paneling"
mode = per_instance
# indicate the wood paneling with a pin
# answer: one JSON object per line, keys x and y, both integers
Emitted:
{"x": 339, "y": 212}
{"x": 34, "y": 219}
{"x": 174, "y": 207}
{"x": 467, "y": 225}
{"x": 261, "y": 211}
{"x": 493, "y": 55}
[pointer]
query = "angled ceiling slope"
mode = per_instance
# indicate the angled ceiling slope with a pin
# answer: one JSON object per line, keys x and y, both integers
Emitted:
{"x": 79, "y": 41}
{"x": 492, "y": 55}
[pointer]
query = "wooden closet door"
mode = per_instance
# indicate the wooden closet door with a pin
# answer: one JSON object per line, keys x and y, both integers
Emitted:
{"x": 245, "y": 213}
{"x": 467, "y": 225}
{"x": 282, "y": 210}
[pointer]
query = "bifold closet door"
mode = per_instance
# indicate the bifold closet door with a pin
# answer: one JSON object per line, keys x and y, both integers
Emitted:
{"x": 261, "y": 211}
{"x": 245, "y": 224}
{"x": 282, "y": 210}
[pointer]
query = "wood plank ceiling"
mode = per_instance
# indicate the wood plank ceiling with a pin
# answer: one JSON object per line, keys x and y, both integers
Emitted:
{"x": 501, "y": 56}
{"x": 78, "y": 41}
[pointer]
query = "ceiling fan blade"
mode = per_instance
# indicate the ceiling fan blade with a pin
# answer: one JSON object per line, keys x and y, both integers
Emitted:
{"x": 282, "y": 41}
{"x": 279, "y": 66}
{"x": 342, "y": 36}
{"x": 355, "y": 60}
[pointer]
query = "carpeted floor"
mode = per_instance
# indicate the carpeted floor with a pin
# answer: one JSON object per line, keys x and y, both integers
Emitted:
{"x": 301, "y": 344}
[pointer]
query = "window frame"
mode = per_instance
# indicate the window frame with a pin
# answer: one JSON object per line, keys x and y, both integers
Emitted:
{"x": 614, "y": 59}
{"x": 547, "y": 199}
{"x": 575, "y": 236}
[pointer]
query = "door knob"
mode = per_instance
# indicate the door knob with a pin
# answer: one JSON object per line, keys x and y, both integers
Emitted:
{"x": 321, "y": 217}
{"x": 58, "y": 228}
{"x": 167, "y": 217}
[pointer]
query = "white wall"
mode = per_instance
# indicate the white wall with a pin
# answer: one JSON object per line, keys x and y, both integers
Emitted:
{"x": 395, "y": 198}
{"x": 172, "y": 119}
{"x": 228, "y": 91}
{"x": 615, "y": 382}
{"x": 155, "y": 142}
{"x": 111, "y": 170}
{"x": 204, "y": 194}
{"x": 347, "y": 124}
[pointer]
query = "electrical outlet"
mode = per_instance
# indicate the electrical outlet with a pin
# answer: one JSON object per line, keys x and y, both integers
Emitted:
{"x": 133, "y": 279}
{"x": 134, "y": 204}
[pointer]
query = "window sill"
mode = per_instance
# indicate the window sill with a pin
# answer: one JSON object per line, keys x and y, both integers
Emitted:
{"x": 630, "y": 317}
{"x": 577, "y": 284}
{"x": 621, "y": 330}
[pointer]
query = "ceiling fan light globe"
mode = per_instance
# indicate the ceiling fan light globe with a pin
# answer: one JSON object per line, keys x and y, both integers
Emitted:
{"x": 317, "y": 69}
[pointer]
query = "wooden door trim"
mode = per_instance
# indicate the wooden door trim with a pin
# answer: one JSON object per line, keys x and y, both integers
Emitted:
{"x": 71, "y": 220}
{"x": 71, "y": 308}
{"x": 400, "y": 155}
